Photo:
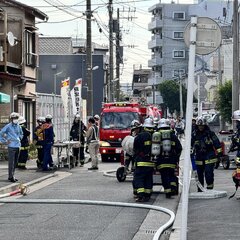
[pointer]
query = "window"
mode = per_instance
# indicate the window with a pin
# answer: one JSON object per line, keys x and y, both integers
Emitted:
{"x": 178, "y": 54}
{"x": 178, "y": 72}
{"x": 179, "y": 15}
{"x": 178, "y": 35}
{"x": 31, "y": 56}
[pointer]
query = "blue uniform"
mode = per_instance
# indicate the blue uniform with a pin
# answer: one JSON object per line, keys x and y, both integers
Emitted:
{"x": 12, "y": 134}
{"x": 48, "y": 141}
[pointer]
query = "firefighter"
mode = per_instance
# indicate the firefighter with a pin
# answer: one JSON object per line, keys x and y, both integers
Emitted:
{"x": 235, "y": 146}
{"x": 135, "y": 129}
{"x": 207, "y": 149}
{"x": 143, "y": 173}
{"x": 23, "y": 156}
{"x": 48, "y": 140}
{"x": 168, "y": 159}
{"x": 78, "y": 152}
{"x": 38, "y": 140}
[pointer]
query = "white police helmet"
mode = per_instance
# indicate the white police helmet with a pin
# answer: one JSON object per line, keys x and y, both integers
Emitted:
{"x": 163, "y": 123}
{"x": 21, "y": 120}
{"x": 148, "y": 122}
{"x": 14, "y": 115}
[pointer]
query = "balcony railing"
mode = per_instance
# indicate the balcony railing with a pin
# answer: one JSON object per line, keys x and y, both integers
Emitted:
{"x": 155, "y": 42}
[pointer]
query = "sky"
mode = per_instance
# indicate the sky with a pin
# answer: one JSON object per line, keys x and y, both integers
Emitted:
{"x": 66, "y": 18}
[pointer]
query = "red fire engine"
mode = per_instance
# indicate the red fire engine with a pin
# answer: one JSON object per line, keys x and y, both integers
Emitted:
{"x": 115, "y": 124}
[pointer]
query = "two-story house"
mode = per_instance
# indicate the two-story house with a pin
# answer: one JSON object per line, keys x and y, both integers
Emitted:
{"x": 18, "y": 58}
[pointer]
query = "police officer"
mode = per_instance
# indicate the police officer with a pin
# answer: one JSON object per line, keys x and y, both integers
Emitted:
{"x": 38, "y": 140}
{"x": 143, "y": 174}
{"x": 168, "y": 159}
{"x": 23, "y": 156}
{"x": 207, "y": 148}
{"x": 11, "y": 134}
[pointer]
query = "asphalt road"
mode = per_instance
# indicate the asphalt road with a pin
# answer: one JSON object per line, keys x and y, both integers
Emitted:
{"x": 65, "y": 222}
{"x": 215, "y": 219}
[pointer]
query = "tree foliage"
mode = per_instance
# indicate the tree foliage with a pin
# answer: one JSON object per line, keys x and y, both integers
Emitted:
{"x": 169, "y": 90}
{"x": 224, "y": 101}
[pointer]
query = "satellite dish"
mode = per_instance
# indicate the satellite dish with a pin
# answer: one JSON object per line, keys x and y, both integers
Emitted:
{"x": 11, "y": 39}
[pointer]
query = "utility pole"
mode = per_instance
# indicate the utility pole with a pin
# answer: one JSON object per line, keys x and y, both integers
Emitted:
{"x": 235, "y": 82}
{"x": 110, "y": 12}
{"x": 89, "y": 60}
{"x": 118, "y": 57}
{"x": 222, "y": 124}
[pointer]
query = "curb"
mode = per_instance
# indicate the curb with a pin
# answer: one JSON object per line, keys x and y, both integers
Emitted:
{"x": 14, "y": 186}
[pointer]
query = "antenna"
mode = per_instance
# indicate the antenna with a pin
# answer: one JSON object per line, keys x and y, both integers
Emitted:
{"x": 11, "y": 39}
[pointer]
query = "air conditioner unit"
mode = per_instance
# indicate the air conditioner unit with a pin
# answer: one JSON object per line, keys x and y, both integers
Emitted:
{"x": 31, "y": 59}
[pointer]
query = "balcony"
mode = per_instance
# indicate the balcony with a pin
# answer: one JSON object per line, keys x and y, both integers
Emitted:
{"x": 155, "y": 61}
{"x": 155, "y": 23}
{"x": 155, "y": 42}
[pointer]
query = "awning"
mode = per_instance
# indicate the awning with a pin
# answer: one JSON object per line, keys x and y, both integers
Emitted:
{"x": 4, "y": 98}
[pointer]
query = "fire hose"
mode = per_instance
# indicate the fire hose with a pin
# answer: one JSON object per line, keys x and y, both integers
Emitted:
{"x": 103, "y": 203}
{"x": 22, "y": 189}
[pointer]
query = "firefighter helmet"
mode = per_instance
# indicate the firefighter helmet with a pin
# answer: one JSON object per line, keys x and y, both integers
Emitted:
{"x": 77, "y": 116}
{"x": 201, "y": 121}
{"x": 96, "y": 117}
{"x": 135, "y": 124}
{"x": 41, "y": 119}
{"x": 163, "y": 123}
{"x": 148, "y": 122}
{"x": 236, "y": 115}
{"x": 14, "y": 115}
{"x": 21, "y": 120}
{"x": 49, "y": 116}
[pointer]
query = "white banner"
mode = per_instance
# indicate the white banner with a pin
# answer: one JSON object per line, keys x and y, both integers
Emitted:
{"x": 76, "y": 95}
{"x": 64, "y": 95}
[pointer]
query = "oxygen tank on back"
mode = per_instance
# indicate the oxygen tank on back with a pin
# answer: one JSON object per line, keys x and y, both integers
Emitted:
{"x": 166, "y": 140}
{"x": 156, "y": 144}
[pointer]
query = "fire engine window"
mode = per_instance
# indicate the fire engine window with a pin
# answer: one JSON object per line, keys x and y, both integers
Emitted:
{"x": 118, "y": 120}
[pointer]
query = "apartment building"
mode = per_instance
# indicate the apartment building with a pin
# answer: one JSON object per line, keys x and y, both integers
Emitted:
{"x": 170, "y": 55}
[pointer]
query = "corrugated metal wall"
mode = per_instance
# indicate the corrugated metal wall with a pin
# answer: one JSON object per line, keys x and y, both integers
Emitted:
{"x": 50, "y": 104}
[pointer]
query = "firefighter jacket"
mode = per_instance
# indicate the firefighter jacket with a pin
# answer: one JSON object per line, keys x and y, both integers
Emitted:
{"x": 74, "y": 132}
{"x": 205, "y": 146}
{"x": 142, "y": 149}
{"x": 170, "y": 158}
{"x": 235, "y": 145}
{"x": 38, "y": 136}
{"x": 24, "y": 140}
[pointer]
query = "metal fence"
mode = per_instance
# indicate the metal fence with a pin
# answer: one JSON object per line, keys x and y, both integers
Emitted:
{"x": 52, "y": 104}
